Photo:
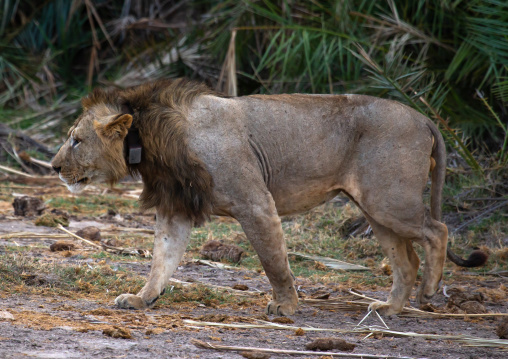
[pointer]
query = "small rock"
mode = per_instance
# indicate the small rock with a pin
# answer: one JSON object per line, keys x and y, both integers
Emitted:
{"x": 216, "y": 251}
{"x": 255, "y": 355}
{"x": 117, "y": 332}
{"x": 91, "y": 233}
{"x": 5, "y": 315}
{"x": 240, "y": 287}
{"x": 502, "y": 329}
{"x": 28, "y": 206}
{"x": 62, "y": 246}
{"x": 326, "y": 344}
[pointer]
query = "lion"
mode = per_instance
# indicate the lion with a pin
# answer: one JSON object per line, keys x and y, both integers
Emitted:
{"x": 257, "y": 158}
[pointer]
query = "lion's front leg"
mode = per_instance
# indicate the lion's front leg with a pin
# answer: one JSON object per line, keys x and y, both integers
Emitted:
{"x": 171, "y": 238}
{"x": 262, "y": 225}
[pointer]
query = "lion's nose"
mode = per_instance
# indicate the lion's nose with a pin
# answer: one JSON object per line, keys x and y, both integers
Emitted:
{"x": 57, "y": 169}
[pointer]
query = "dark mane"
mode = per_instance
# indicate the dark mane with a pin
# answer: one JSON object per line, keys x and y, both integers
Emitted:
{"x": 175, "y": 179}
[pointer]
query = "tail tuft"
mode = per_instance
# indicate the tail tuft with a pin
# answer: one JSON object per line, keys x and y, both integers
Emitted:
{"x": 476, "y": 259}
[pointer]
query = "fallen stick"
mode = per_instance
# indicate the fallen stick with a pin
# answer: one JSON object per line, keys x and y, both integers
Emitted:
{"x": 126, "y": 229}
{"x": 263, "y": 325}
{"x": 32, "y": 235}
{"x": 60, "y": 227}
{"x": 7, "y": 169}
{"x": 413, "y": 312}
{"x": 213, "y": 264}
{"x": 204, "y": 345}
{"x": 464, "y": 339}
{"x": 107, "y": 248}
{"x": 331, "y": 262}
{"x": 246, "y": 293}
{"x": 39, "y": 162}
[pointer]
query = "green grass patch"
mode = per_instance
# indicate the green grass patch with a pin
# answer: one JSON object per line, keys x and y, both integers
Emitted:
{"x": 198, "y": 293}
{"x": 93, "y": 204}
{"x": 19, "y": 273}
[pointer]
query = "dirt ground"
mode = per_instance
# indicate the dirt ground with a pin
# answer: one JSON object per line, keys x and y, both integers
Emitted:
{"x": 38, "y": 320}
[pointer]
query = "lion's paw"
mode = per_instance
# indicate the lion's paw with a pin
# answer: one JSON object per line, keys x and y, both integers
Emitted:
{"x": 422, "y": 298}
{"x": 130, "y": 301}
{"x": 384, "y": 308}
{"x": 281, "y": 309}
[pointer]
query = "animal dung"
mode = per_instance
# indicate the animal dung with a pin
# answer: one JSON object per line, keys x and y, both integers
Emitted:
{"x": 473, "y": 307}
{"x": 28, "y": 206}
{"x": 254, "y": 355}
{"x": 462, "y": 301}
{"x": 216, "y": 251}
{"x": 299, "y": 332}
{"x": 92, "y": 233}
{"x": 283, "y": 320}
{"x": 62, "y": 246}
{"x": 327, "y": 344}
{"x": 240, "y": 287}
{"x": 117, "y": 332}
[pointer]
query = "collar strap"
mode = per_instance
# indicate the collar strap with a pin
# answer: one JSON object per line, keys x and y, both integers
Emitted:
{"x": 133, "y": 146}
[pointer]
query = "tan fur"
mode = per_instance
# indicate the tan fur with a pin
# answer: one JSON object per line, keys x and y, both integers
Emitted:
{"x": 256, "y": 158}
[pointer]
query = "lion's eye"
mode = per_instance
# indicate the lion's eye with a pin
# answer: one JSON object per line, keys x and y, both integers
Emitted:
{"x": 74, "y": 142}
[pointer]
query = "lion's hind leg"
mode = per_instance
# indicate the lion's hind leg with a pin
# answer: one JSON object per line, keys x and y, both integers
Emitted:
{"x": 434, "y": 242}
{"x": 404, "y": 262}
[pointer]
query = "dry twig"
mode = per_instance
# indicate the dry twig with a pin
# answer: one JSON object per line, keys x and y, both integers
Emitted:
{"x": 8, "y": 169}
{"x": 205, "y": 345}
{"x": 33, "y": 235}
{"x": 108, "y": 248}
{"x": 406, "y": 311}
{"x": 463, "y": 339}
{"x": 331, "y": 262}
{"x": 213, "y": 286}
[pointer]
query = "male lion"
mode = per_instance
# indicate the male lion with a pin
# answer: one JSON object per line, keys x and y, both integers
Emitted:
{"x": 256, "y": 158}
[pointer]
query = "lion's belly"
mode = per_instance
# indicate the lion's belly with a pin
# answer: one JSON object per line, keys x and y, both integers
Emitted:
{"x": 301, "y": 201}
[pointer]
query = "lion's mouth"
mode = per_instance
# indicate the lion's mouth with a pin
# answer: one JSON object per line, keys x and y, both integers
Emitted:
{"x": 84, "y": 180}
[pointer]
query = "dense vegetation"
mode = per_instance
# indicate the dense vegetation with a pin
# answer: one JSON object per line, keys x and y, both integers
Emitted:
{"x": 448, "y": 59}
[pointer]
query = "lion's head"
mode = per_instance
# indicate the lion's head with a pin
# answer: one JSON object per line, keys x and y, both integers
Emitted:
{"x": 174, "y": 178}
{"x": 94, "y": 150}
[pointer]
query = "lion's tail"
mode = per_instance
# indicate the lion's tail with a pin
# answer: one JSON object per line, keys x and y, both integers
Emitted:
{"x": 438, "y": 159}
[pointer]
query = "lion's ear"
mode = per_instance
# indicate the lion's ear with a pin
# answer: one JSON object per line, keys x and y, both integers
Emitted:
{"x": 117, "y": 128}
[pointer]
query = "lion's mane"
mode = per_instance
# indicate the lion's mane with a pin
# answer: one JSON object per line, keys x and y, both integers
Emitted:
{"x": 174, "y": 178}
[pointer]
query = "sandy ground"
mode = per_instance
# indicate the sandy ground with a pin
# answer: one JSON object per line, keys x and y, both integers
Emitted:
{"x": 44, "y": 326}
